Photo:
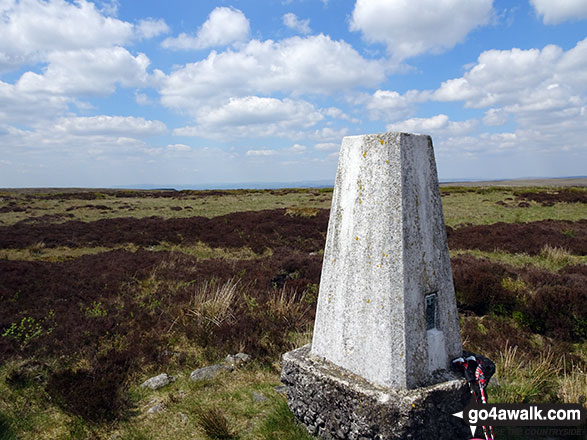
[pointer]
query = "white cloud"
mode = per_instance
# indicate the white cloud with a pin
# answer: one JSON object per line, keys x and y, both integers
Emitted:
{"x": 128, "y": 126}
{"x": 95, "y": 71}
{"x": 60, "y": 142}
{"x": 223, "y": 26}
{"x": 327, "y": 146}
{"x": 19, "y": 107}
{"x": 439, "y": 124}
{"x": 297, "y": 149}
{"x": 505, "y": 76}
{"x": 541, "y": 92}
{"x": 295, "y": 65}
{"x": 542, "y": 89}
{"x": 254, "y": 116}
{"x": 413, "y": 27}
{"x": 254, "y": 110}
{"x": 495, "y": 117}
{"x": 329, "y": 134}
{"x": 261, "y": 153}
{"x": 30, "y": 29}
{"x": 151, "y": 27}
{"x": 555, "y": 12}
{"x": 388, "y": 104}
{"x": 293, "y": 22}
{"x": 143, "y": 99}
{"x": 109, "y": 7}
{"x": 178, "y": 147}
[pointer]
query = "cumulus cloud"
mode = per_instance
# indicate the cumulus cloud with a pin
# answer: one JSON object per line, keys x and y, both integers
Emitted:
{"x": 495, "y": 117}
{"x": 151, "y": 27}
{"x": 413, "y": 27}
{"x": 30, "y": 29}
{"x": 439, "y": 124}
{"x": 128, "y": 126}
{"x": 555, "y": 12}
{"x": 19, "y": 107}
{"x": 297, "y": 149}
{"x": 95, "y": 71}
{"x": 295, "y": 65}
{"x": 260, "y": 153}
{"x": 223, "y": 26}
{"x": 327, "y": 146}
{"x": 542, "y": 89}
{"x": 179, "y": 147}
{"x": 293, "y": 22}
{"x": 388, "y": 104}
{"x": 254, "y": 116}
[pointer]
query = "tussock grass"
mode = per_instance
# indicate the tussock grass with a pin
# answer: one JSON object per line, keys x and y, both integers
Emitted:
{"x": 216, "y": 425}
{"x": 213, "y": 304}
{"x": 301, "y": 211}
{"x": 545, "y": 379}
{"x": 572, "y": 386}
{"x": 523, "y": 381}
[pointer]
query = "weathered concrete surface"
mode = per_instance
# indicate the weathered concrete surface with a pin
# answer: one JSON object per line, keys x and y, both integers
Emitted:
{"x": 386, "y": 250}
{"x": 336, "y": 404}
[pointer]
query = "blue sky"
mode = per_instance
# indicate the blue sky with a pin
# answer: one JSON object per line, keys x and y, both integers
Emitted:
{"x": 114, "y": 93}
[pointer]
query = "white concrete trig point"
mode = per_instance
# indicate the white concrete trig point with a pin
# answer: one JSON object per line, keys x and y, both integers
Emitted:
{"x": 386, "y": 319}
{"x": 386, "y": 307}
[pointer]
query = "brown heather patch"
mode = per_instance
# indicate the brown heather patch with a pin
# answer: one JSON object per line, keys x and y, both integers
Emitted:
{"x": 256, "y": 229}
{"x": 543, "y": 302}
{"x": 529, "y": 238}
{"x": 549, "y": 198}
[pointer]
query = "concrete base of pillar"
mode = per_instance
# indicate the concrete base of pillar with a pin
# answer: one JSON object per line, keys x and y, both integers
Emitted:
{"x": 336, "y": 404}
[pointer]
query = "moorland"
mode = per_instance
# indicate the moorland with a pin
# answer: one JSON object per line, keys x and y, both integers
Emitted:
{"x": 102, "y": 289}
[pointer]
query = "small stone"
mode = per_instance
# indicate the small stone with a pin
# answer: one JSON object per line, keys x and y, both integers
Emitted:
{"x": 258, "y": 397}
{"x": 238, "y": 359}
{"x": 183, "y": 418}
{"x": 243, "y": 357}
{"x": 159, "y": 407}
{"x": 159, "y": 381}
{"x": 209, "y": 372}
{"x": 281, "y": 389}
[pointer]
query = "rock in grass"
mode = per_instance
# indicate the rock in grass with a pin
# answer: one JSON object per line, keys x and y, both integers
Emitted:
{"x": 238, "y": 359}
{"x": 159, "y": 407}
{"x": 258, "y": 397}
{"x": 159, "y": 381}
{"x": 209, "y": 372}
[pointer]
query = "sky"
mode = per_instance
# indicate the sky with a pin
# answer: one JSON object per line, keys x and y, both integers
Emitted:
{"x": 182, "y": 92}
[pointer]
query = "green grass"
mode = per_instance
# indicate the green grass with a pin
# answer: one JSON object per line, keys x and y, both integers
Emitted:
{"x": 481, "y": 208}
{"x": 28, "y": 413}
{"x": 140, "y": 207}
{"x": 200, "y": 250}
{"x": 462, "y": 205}
{"x": 223, "y": 404}
{"x": 551, "y": 259}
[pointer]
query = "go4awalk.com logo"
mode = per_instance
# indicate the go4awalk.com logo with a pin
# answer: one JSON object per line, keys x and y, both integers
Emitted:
{"x": 488, "y": 416}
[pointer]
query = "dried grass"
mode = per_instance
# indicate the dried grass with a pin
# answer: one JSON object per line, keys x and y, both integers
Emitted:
{"x": 573, "y": 386}
{"x": 213, "y": 304}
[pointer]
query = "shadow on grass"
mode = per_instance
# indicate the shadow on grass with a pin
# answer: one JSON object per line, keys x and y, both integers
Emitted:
{"x": 5, "y": 429}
